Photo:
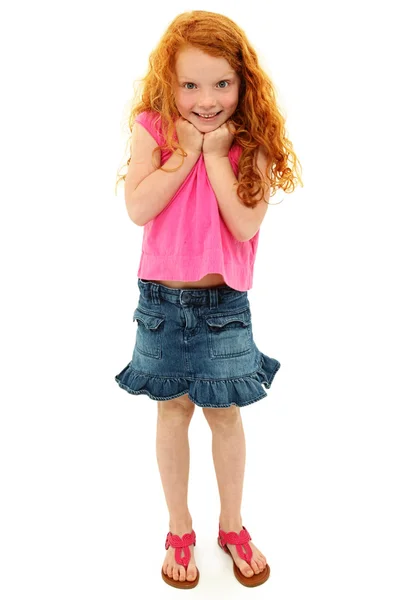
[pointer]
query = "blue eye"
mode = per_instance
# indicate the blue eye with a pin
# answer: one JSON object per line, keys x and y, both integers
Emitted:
{"x": 193, "y": 85}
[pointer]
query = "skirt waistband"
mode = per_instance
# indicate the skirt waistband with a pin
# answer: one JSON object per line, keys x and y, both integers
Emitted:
{"x": 213, "y": 296}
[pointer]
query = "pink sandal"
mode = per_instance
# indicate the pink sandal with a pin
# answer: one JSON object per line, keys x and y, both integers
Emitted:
{"x": 181, "y": 543}
{"x": 240, "y": 540}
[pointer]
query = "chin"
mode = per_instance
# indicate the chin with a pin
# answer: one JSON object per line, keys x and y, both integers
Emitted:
{"x": 207, "y": 128}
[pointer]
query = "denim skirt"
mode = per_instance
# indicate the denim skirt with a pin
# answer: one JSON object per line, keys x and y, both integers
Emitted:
{"x": 196, "y": 341}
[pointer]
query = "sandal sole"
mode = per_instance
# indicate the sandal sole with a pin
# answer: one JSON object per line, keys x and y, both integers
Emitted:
{"x": 254, "y": 580}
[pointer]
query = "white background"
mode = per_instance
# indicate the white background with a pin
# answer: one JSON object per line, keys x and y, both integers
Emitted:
{"x": 82, "y": 508}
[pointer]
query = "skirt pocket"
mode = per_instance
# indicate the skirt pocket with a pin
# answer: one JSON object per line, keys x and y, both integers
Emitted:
{"x": 229, "y": 335}
{"x": 148, "y": 333}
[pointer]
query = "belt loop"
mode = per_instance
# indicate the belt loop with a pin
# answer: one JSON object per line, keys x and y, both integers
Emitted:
{"x": 213, "y": 298}
{"x": 155, "y": 293}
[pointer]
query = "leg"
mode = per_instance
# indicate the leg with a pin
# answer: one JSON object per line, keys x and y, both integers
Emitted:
{"x": 229, "y": 454}
{"x": 172, "y": 446}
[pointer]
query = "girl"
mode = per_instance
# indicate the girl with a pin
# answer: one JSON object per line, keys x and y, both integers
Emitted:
{"x": 208, "y": 144}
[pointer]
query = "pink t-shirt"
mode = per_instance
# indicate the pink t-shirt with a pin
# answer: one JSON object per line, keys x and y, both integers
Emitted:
{"x": 188, "y": 239}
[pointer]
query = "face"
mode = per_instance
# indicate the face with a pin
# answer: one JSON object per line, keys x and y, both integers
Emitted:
{"x": 205, "y": 85}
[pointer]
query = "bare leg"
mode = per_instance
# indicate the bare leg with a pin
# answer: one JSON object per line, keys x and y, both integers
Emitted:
{"x": 172, "y": 446}
{"x": 229, "y": 454}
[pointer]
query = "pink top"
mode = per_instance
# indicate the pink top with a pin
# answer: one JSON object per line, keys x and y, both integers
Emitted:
{"x": 188, "y": 239}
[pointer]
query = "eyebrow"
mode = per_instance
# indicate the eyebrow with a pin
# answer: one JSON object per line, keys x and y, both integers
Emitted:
{"x": 231, "y": 74}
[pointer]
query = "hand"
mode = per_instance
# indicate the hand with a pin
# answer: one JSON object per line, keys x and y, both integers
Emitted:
{"x": 218, "y": 142}
{"x": 190, "y": 138}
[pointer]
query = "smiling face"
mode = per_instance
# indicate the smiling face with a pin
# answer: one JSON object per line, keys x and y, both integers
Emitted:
{"x": 205, "y": 85}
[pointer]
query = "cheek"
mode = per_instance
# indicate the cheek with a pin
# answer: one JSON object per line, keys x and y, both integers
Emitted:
{"x": 231, "y": 100}
{"x": 183, "y": 101}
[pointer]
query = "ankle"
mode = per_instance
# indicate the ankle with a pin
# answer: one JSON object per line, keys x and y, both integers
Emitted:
{"x": 230, "y": 523}
{"x": 181, "y": 525}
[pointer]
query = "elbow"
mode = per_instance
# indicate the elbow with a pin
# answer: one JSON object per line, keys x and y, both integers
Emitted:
{"x": 246, "y": 237}
{"x": 133, "y": 217}
{"x": 136, "y": 219}
{"x": 238, "y": 235}
{"x": 132, "y": 210}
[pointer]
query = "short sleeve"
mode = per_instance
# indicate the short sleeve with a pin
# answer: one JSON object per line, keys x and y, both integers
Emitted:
{"x": 149, "y": 120}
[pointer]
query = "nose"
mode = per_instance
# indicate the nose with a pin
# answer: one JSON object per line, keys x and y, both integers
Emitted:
{"x": 206, "y": 101}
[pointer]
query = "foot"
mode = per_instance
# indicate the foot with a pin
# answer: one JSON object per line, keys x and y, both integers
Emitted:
{"x": 258, "y": 561}
{"x": 172, "y": 568}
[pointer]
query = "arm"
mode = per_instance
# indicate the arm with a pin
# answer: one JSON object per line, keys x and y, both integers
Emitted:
{"x": 148, "y": 189}
{"x": 243, "y": 222}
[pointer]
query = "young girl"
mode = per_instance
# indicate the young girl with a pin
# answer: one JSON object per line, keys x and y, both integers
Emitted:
{"x": 208, "y": 145}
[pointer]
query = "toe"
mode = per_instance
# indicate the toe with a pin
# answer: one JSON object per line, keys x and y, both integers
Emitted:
{"x": 192, "y": 573}
{"x": 254, "y": 566}
{"x": 245, "y": 569}
{"x": 170, "y": 570}
{"x": 260, "y": 563}
{"x": 175, "y": 574}
{"x": 182, "y": 574}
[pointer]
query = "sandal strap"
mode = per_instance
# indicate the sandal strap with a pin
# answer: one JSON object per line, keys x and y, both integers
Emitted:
{"x": 181, "y": 543}
{"x": 239, "y": 540}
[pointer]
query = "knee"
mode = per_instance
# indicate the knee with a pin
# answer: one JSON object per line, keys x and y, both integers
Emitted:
{"x": 222, "y": 417}
{"x": 177, "y": 410}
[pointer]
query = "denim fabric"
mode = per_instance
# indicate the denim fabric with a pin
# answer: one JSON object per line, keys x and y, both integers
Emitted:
{"x": 197, "y": 341}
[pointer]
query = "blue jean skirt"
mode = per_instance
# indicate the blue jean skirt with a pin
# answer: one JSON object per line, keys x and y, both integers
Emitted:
{"x": 196, "y": 341}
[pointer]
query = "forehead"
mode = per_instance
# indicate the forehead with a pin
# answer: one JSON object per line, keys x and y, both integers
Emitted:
{"x": 192, "y": 62}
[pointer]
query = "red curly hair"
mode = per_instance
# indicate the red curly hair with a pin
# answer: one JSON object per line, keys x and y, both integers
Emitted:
{"x": 257, "y": 119}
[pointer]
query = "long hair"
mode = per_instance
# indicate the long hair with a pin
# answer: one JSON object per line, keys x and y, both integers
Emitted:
{"x": 257, "y": 119}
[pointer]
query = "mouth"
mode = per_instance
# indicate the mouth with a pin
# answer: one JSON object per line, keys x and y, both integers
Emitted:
{"x": 207, "y": 116}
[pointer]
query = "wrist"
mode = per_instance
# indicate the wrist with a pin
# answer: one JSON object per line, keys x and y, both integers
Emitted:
{"x": 209, "y": 157}
{"x": 193, "y": 154}
{"x": 189, "y": 155}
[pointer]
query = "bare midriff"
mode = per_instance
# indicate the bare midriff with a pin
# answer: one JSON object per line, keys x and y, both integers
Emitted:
{"x": 209, "y": 280}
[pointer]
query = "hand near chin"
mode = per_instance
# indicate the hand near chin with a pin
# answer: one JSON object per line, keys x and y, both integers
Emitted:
{"x": 218, "y": 142}
{"x": 189, "y": 137}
